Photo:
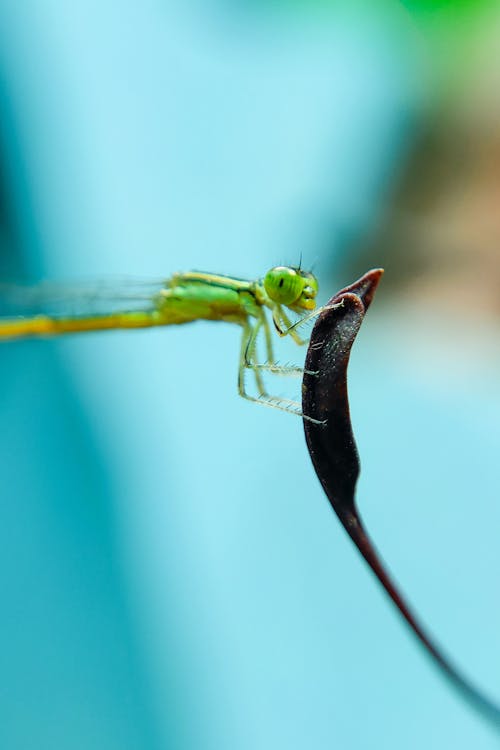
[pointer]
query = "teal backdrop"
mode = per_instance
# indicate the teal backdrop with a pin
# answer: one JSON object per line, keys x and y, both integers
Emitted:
{"x": 172, "y": 575}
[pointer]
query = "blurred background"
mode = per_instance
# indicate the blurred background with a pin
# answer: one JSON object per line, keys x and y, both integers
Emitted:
{"x": 172, "y": 575}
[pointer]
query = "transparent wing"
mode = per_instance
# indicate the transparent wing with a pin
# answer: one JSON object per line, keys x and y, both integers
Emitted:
{"x": 78, "y": 299}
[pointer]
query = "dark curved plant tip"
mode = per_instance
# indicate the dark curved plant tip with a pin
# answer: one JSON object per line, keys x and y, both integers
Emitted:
{"x": 335, "y": 458}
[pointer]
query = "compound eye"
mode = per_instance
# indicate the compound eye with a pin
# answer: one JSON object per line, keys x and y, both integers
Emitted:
{"x": 283, "y": 285}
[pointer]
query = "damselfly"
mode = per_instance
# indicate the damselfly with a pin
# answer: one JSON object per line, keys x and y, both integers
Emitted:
{"x": 52, "y": 310}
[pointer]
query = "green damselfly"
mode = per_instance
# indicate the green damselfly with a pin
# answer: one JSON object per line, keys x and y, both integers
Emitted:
{"x": 51, "y": 310}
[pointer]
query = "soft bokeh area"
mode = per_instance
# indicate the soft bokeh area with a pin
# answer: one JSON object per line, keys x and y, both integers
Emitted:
{"x": 172, "y": 575}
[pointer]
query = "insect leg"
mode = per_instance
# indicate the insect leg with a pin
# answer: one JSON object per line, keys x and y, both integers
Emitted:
{"x": 285, "y": 327}
{"x": 247, "y": 349}
{"x": 291, "y": 329}
{"x": 271, "y": 365}
{"x": 250, "y": 354}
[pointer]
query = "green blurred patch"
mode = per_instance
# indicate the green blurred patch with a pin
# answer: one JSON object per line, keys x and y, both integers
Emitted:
{"x": 446, "y": 6}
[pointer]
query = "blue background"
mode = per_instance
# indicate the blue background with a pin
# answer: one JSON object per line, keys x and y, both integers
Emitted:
{"x": 172, "y": 575}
